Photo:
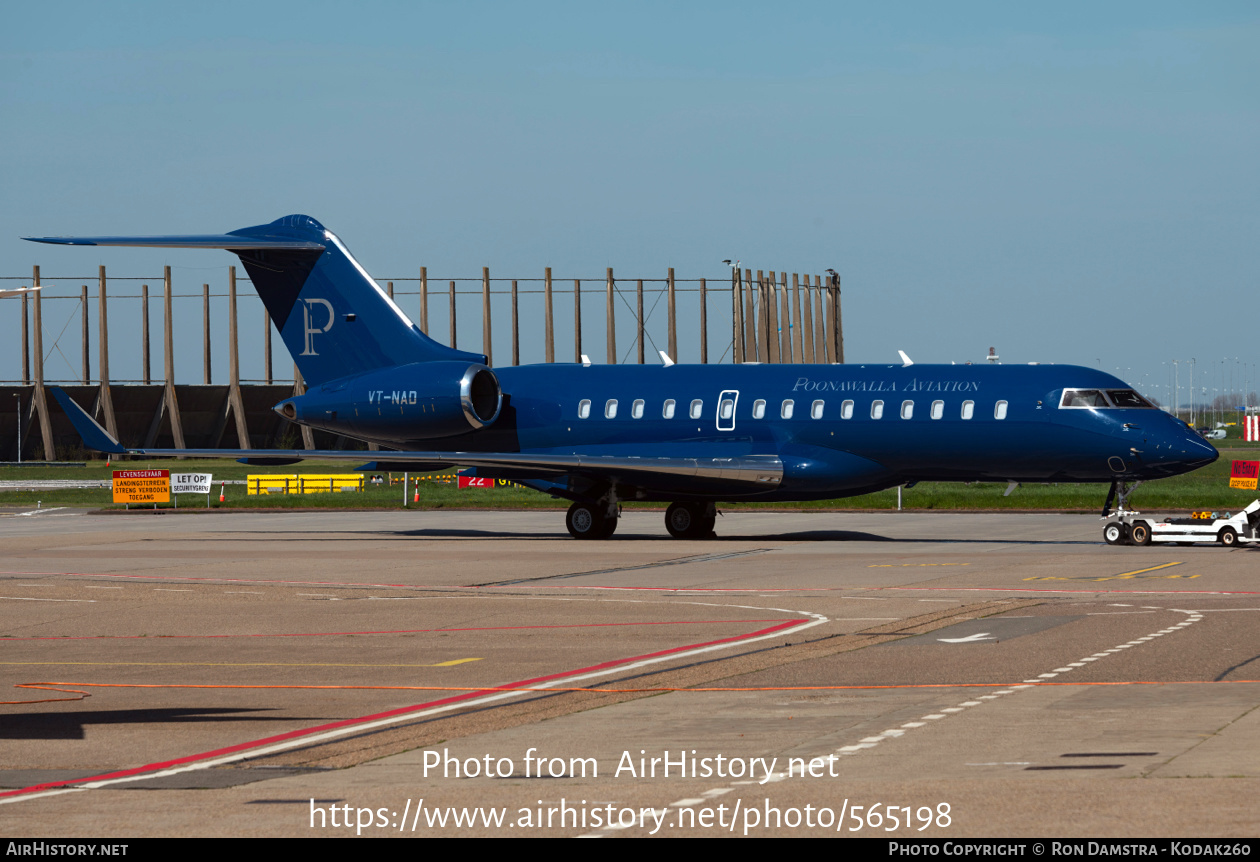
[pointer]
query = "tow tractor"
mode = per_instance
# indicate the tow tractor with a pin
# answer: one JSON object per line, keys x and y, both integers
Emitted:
{"x": 1125, "y": 527}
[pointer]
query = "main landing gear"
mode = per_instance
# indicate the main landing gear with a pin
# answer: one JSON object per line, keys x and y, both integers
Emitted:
{"x": 690, "y": 520}
{"x": 587, "y": 521}
{"x": 599, "y": 520}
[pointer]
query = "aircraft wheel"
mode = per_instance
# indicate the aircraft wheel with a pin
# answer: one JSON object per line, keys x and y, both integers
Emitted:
{"x": 585, "y": 522}
{"x": 1141, "y": 533}
{"x": 610, "y": 527}
{"x": 1228, "y": 537}
{"x": 686, "y": 521}
{"x": 1113, "y": 534}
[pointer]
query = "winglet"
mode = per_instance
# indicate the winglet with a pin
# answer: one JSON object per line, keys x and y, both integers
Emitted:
{"x": 94, "y": 436}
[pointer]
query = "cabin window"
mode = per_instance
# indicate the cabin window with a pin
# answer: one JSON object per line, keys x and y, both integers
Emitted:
{"x": 907, "y": 409}
{"x": 999, "y": 410}
{"x": 816, "y": 410}
{"x": 759, "y": 408}
{"x": 697, "y": 407}
{"x": 610, "y": 409}
{"x": 636, "y": 409}
{"x": 584, "y": 408}
{"x": 785, "y": 412}
{"x": 846, "y": 410}
{"x": 938, "y": 409}
{"x": 726, "y": 409}
{"x": 968, "y": 409}
{"x": 667, "y": 412}
{"x": 877, "y": 409}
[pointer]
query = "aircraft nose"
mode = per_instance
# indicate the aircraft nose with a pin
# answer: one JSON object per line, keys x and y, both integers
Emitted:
{"x": 1197, "y": 449}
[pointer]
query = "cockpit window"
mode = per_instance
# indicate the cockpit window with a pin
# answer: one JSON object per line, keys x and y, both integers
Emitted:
{"x": 1127, "y": 398}
{"x": 1100, "y": 399}
{"x": 1083, "y": 398}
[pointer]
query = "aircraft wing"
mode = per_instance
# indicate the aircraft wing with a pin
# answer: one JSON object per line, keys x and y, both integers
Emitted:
{"x": 747, "y": 473}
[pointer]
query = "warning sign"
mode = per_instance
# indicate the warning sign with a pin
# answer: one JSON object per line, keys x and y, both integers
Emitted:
{"x": 142, "y": 486}
{"x": 1243, "y": 474}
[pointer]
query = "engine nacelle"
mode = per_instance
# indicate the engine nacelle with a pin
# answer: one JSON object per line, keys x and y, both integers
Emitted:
{"x": 418, "y": 401}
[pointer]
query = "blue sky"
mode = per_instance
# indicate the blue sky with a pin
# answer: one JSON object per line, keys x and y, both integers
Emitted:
{"x": 1070, "y": 183}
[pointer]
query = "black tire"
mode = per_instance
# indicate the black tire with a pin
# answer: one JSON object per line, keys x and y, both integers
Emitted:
{"x": 1113, "y": 534}
{"x": 1228, "y": 537}
{"x": 585, "y": 522}
{"x": 1140, "y": 533}
{"x": 685, "y": 521}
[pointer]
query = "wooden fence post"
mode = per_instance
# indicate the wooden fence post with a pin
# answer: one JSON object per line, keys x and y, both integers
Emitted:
{"x": 144, "y": 334}
{"x": 577, "y": 320}
{"x": 798, "y": 349}
{"x": 820, "y": 323}
{"x": 106, "y": 398}
{"x": 549, "y": 344}
{"x": 424, "y": 300}
{"x": 704, "y": 325}
{"x": 235, "y": 402}
{"x": 673, "y": 322}
{"x": 41, "y": 397}
{"x": 610, "y": 326}
{"x": 639, "y": 306}
{"x": 205, "y": 334}
{"x": 807, "y": 327}
{"x": 266, "y": 345}
{"x": 453, "y": 336}
{"x": 487, "y": 346}
{"x": 516, "y": 329}
{"x": 86, "y": 349}
{"x": 750, "y": 319}
{"x": 785, "y": 320}
{"x": 168, "y": 359}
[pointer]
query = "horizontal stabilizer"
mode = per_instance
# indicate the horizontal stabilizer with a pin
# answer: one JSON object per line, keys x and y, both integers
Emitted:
{"x": 227, "y": 241}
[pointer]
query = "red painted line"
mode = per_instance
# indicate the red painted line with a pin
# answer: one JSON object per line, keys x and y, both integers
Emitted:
{"x": 351, "y": 722}
{"x": 382, "y": 632}
{"x": 179, "y": 579}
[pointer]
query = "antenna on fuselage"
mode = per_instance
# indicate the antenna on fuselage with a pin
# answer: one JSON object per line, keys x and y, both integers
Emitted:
{"x": 906, "y": 361}
{"x": 665, "y": 358}
{"x": 992, "y": 357}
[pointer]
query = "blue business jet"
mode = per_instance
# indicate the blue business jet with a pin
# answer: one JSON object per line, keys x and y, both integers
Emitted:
{"x": 689, "y": 435}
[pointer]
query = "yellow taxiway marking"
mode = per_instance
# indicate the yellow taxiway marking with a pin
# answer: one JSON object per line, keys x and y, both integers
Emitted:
{"x": 1126, "y": 576}
{"x": 451, "y": 663}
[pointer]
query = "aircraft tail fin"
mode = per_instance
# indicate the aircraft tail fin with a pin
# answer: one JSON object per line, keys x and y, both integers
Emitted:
{"x": 94, "y": 436}
{"x": 334, "y": 318}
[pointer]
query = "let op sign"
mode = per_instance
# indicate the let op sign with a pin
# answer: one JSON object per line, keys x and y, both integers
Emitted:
{"x": 191, "y": 483}
{"x": 142, "y": 486}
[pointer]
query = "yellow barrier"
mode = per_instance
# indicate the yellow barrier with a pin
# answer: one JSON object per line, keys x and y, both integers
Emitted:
{"x": 271, "y": 483}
